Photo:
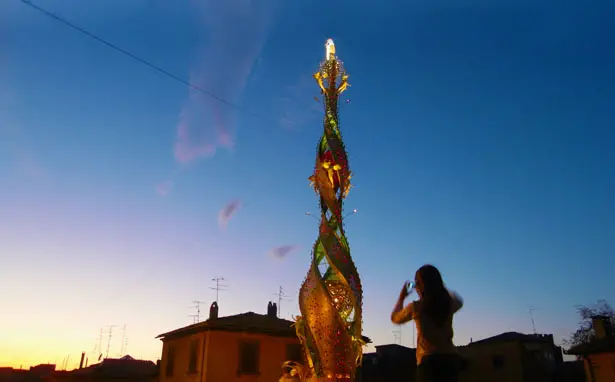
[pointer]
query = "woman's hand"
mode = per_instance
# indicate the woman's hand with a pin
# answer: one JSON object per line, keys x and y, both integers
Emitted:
{"x": 404, "y": 291}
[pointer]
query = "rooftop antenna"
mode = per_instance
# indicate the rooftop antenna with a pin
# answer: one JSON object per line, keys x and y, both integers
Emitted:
{"x": 281, "y": 296}
{"x": 110, "y": 328}
{"x": 122, "y": 349}
{"x": 194, "y": 318}
{"x": 198, "y": 310}
{"x": 97, "y": 343}
{"x": 531, "y": 310}
{"x": 100, "y": 338}
{"x": 125, "y": 346}
{"x": 397, "y": 335}
{"x": 219, "y": 287}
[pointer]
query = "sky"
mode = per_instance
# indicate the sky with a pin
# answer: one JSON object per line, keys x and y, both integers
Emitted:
{"x": 480, "y": 135}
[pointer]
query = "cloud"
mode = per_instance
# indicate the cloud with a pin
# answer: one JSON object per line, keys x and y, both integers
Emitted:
{"x": 236, "y": 32}
{"x": 282, "y": 251}
{"x": 164, "y": 188}
{"x": 228, "y": 211}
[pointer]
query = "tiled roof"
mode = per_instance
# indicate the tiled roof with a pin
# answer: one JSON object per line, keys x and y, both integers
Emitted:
{"x": 247, "y": 322}
{"x": 604, "y": 345}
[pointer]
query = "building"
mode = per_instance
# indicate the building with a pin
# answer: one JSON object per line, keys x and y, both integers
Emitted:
{"x": 111, "y": 369}
{"x": 511, "y": 357}
{"x": 40, "y": 372}
{"x": 598, "y": 355}
{"x": 242, "y": 347}
{"x": 390, "y": 363}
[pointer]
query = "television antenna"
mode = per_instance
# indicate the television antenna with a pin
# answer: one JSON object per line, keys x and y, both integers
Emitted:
{"x": 281, "y": 296}
{"x": 531, "y": 311}
{"x": 219, "y": 287}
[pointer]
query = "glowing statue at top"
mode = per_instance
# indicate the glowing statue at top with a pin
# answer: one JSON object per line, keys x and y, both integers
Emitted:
{"x": 330, "y": 298}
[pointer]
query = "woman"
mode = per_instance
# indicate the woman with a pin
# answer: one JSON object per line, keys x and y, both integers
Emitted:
{"x": 436, "y": 356}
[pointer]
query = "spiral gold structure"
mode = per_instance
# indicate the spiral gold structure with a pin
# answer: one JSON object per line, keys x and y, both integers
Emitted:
{"x": 330, "y": 298}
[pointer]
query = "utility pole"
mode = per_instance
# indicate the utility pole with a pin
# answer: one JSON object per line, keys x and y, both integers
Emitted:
{"x": 198, "y": 310}
{"x": 219, "y": 287}
{"x": 110, "y": 328}
{"x": 281, "y": 296}
{"x": 531, "y": 310}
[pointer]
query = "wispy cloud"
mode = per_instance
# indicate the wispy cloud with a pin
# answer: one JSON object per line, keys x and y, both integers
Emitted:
{"x": 236, "y": 31}
{"x": 282, "y": 251}
{"x": 228, "y": 211}
{"x": 164, "y": 188}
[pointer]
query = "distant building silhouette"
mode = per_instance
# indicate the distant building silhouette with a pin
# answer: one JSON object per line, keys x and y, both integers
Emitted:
{"x": 111, "y": 369}
{"x": 511, "y": 357}
{"x": 390, "y": 363}
{"x": 508, "y": 357}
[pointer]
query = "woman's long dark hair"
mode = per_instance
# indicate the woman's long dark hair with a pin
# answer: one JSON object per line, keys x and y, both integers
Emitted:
{"x": 436, "y": 301}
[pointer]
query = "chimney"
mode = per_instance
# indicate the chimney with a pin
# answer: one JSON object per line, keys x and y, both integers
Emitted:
{"x": 602, "y": 326}
{"x": 213, "y": 311}
{"x": 272, "y": 310}
{"x": 82, "y": 359}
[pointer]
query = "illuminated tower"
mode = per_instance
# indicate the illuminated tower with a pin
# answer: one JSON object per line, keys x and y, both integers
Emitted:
{"x": 330, "y": 298}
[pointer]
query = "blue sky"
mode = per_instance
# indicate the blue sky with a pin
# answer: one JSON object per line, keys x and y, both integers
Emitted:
{"x": 481, "y": 138}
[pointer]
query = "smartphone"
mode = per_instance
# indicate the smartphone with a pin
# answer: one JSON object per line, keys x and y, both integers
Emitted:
{"x": 410, "y": 286}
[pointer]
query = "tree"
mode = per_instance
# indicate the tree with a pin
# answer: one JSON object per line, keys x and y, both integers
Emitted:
{"x": 585, "y": 332}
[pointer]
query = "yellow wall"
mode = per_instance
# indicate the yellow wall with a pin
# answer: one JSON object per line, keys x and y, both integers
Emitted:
{"x": 603, "y": 367}
{"x": 221, "y": 357}
{"x": 480, "y": 363}
{"x": 181, "y": 348}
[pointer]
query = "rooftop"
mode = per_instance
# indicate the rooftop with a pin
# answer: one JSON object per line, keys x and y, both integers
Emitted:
{"x": 604, "y": 345}
{"x": 125, "y": 367}
{"x": 249, "y": 322}
{"x": 244, "y": 322}
{"x": 515, "y": 336}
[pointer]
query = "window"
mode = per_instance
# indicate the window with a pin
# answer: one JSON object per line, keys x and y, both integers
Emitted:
{"x": 498, "y": 361}
{"x": 294, "y": 353}
{"x": 194, "y": 352}
{"x": 249, "y": 357}
{"x": 170, "y": 361}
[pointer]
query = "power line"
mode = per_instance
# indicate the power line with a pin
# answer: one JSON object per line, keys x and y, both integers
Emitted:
{"x": 138, "y": 59}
